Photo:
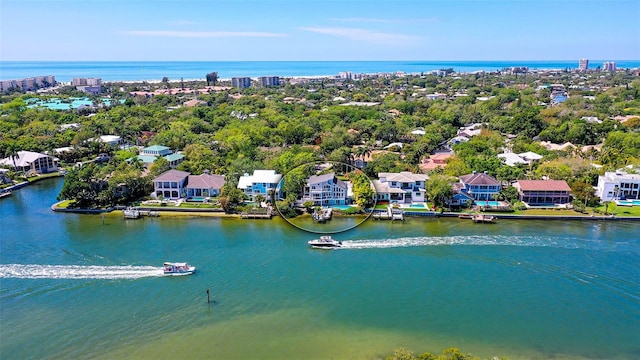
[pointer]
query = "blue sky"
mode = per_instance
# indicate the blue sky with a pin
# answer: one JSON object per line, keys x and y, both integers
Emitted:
{"x": 219, "y": 30}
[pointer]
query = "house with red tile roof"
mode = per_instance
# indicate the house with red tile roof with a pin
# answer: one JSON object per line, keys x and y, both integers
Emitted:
{"x": 204, "y": 185}
{"x": 435, "y": 161}
{"x": 543, "y": 192}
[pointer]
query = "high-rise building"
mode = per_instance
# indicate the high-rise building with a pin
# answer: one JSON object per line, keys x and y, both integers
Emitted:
{"x": 28, "y": 84}
{"x": 583, "y": 65}
{"x": 241, "y": 82}
{"x": 269, "y": 80}
{"x": 86, "y": 82}
{"x": 609, "y": 66}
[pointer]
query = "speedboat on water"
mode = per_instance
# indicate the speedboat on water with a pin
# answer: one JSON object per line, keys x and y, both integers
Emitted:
{"x": 325, "y": 242}
{"x": 177, "y": 269}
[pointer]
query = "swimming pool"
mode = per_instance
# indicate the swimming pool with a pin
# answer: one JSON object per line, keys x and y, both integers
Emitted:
{"x": 491, "y": 203}
{"x": 632, "y": 202}
{"x": 419, "y": 206}
{"x": 341, "y": 207}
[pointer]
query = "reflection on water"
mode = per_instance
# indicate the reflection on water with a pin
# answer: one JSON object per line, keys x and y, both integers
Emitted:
{"x": 518, "y": 289}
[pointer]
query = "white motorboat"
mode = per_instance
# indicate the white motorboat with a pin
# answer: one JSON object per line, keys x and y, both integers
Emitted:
{"x": 177, "y": 269}
{"x": 131, "y": 213}
{"x": 325, "y": 242}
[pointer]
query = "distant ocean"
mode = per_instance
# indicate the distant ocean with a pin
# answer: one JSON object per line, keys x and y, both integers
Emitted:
{"x": 174, "y": 70}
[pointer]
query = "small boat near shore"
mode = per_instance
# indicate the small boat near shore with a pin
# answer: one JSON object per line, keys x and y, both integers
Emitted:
{"x": 178, "y": 269}
{"x": 131, "y": 213}
{"x": 325, "y": 242}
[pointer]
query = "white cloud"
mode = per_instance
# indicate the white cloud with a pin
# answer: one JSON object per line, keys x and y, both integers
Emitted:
{"x": 202, "y": 34}
{"x": 366, "y": 35}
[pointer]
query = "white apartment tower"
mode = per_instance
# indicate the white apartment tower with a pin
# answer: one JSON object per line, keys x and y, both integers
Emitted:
{"x": 583, "y": 64}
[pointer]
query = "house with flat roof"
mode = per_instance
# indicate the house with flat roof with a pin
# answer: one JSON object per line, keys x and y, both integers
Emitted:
{"x": 480, "y": 186}
{"x": 618, "y": 185}
{"x": 326, "y": 190}
{"x": 403, "y": 187}
{"x": 204, "y": 185}
{"x": 151, "y": 153}
{"x": 262, "y": 182}
{"x": 29, "y": 161}
{"x": 171, "y": 184}
{"x": 543, "y": 192}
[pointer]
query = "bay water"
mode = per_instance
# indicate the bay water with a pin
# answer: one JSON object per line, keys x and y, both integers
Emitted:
{"x": 84, "y": 286}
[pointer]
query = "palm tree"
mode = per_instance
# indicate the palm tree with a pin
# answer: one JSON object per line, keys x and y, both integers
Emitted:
{"x": 12, "y": 152}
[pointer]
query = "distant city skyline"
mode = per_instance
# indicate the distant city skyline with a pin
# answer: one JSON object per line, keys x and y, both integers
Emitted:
{"x": 355, "y": 30}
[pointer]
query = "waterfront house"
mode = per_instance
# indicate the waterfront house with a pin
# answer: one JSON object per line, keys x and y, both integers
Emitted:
{"x": 403, "y": 187}
{"x": 325, "y": 190}
{"x": 151, "y": 153}
{"x": 171, "y": 184}
{"x": 459, "y": 199}
{"x": 618, "y": 185}
{"x": 262, "y": 182}
{"x": 204, "y": 185}
{"x": 480, "y": 186}
{"x": 543, "y": 192}
{"x": 31, "y": 162}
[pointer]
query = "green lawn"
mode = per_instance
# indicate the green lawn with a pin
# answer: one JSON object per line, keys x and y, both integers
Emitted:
{"x": 546, "y": 212}
{"x": 620, "y": 210}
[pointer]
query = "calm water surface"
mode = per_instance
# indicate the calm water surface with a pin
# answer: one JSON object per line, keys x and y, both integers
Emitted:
{"x": 174, "y": 70}
{"x": 73, "y": 287}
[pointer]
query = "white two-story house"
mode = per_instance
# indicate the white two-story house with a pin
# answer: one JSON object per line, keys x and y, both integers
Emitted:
{"x": 403, "y": 187}
{"x": 262, "y": 182}
{"x": 618, "y": 185}
{"x": 326, "y": 190}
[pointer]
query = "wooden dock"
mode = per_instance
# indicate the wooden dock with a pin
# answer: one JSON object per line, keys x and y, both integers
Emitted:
{"x": 482, "y": 218}
{"x": 259, "y": 213}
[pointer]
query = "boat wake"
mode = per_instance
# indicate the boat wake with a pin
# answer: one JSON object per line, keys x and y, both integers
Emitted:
{"x": 479, "y": 240}
{"x": 21, "y": 271}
